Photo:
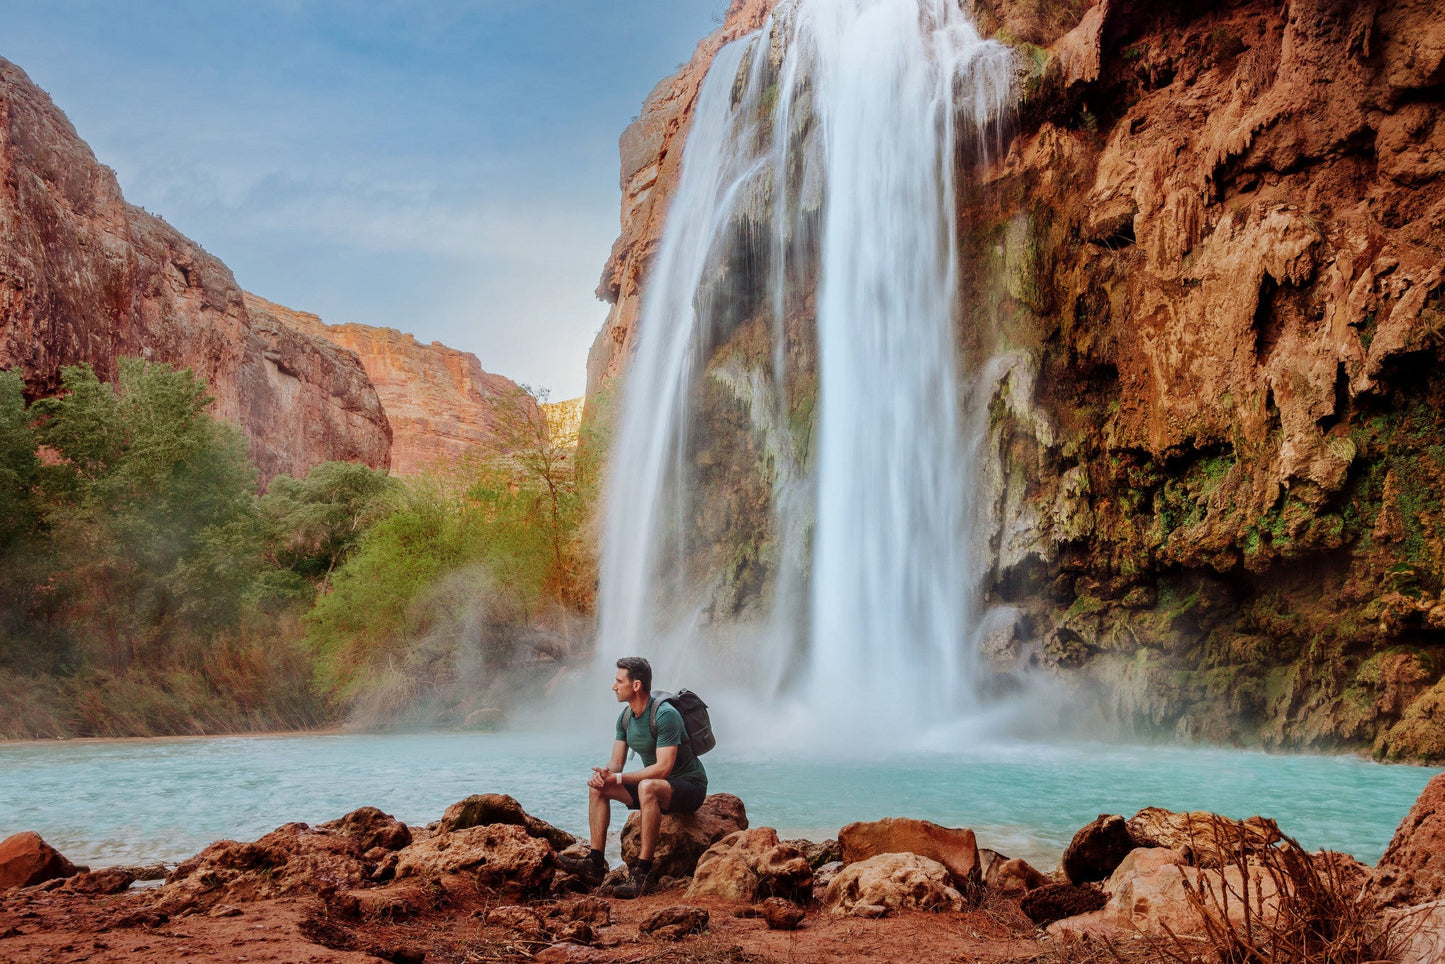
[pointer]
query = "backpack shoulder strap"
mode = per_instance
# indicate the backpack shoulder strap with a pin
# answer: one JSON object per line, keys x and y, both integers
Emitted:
{"x": 652, "y": 717}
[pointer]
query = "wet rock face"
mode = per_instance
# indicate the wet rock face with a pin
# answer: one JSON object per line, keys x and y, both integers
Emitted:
{"x": 1412, "y": 870}
{"x": 86, "y": 277}
{"x": 1213, "y": 253}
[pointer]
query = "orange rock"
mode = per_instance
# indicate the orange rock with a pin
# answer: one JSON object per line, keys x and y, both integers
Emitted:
{"x": 26, "y": 859}
{"x": 891, "y": 882}
{"x": 956, "y": 849}
{"x": 1412, "y": 870}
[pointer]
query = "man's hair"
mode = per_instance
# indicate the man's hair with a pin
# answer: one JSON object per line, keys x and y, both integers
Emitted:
{"x": 638, "y": 669}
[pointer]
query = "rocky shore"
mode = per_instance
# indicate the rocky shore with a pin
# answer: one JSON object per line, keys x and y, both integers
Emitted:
{"x": 483, "y": 884}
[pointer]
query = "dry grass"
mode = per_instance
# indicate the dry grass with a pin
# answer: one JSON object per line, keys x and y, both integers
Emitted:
{"x": 1279, "y": 905}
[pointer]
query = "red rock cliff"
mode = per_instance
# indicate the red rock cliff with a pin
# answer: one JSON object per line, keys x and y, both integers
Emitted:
{"x": 86, "y": 277}
{"x": 439, "y": 401}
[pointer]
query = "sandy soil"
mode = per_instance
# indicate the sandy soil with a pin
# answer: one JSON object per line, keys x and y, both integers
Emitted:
{"x": 59, "y": 928}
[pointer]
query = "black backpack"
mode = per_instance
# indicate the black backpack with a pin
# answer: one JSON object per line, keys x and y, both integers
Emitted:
{"x": 695, "y": 723}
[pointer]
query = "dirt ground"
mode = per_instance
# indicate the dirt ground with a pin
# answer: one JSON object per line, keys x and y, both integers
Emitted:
{"x": 60, "y": 928}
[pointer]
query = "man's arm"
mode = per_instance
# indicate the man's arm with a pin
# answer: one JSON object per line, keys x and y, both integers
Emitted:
{"x": 601, "y": 776}
{"x": 666, "y": 760}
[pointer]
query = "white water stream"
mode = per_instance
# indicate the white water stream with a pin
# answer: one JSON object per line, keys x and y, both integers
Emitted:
{"x": 832, "y": 130}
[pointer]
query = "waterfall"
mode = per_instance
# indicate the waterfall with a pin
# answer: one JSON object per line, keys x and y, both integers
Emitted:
{"x": 816, "y": 183}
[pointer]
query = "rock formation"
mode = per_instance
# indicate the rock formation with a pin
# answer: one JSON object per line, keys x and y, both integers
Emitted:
{"x": 1204, "y": 289}
{"x": 86, "y": 277}
{"x": 439, "y": 401}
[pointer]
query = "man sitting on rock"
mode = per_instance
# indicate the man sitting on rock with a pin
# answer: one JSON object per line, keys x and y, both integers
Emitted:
{"x": 671, "y": 780}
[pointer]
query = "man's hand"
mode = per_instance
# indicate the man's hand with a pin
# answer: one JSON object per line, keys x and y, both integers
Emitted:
{"x": 601, "y": 776}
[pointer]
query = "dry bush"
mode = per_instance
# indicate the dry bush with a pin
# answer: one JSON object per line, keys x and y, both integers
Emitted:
{"x": 1287, "y": 906}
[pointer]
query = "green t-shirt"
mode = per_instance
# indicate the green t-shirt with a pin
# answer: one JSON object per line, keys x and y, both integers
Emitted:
{"x": 670, "y": 732}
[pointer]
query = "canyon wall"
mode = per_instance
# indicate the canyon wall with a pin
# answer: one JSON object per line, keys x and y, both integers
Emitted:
{"x": 1203, "y": 272}
{"x": 439, "y": 401}
{"x": 86, "y": 277}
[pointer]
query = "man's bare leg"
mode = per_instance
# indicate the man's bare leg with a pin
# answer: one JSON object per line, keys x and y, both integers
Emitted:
{"x": 653, "y": 797}
{"x": 599, "y": 811}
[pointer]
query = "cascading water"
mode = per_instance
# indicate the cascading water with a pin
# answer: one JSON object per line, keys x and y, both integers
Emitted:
{"x": 816, "y": 183}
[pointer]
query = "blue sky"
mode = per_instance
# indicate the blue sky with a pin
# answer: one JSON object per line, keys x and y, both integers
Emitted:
{"x": 444, "y": 167}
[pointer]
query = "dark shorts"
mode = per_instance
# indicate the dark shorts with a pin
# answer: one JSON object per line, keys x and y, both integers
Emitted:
{"x": 687, "y": 796}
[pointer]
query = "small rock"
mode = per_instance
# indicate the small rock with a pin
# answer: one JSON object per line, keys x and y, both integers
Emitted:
{"x": 593, "y": 910}
{"x": 1052, "y": 902}
{"x": 782, "y": 915}
{"x": 224, "y": 910}
{"x": 145, "y": 871}
{"x": 485, "y": 809}
{"x": 675, "y": 922}
{"x": 519, "y": 920}
{"x": 1015, "y": 877}
{"x": 575, "y": 932}
{"x": 112, "y": 880}
{"x": 1097, "y": 849}
{"x": 570, "y": 954}
{"x": 818, "y": 854}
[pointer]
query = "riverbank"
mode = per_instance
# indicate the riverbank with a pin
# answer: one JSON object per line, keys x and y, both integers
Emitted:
{"x": 482, "y": 884}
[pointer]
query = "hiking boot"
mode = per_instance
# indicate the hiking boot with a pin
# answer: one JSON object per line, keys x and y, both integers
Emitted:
{"x": 636, "y": 885}
{"x": 586, "y": 868}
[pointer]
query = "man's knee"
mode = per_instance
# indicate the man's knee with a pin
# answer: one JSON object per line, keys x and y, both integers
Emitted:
{"x": 653, "y": 791}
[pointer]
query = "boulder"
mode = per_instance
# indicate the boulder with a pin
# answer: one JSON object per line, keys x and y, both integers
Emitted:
{"x": 876, "y": 886}
{"x": 782, "y": 914}
{"x": 292, "y": 859}
{"x": 1014, "y": 877}
{"x": 371, "y": 828}
{"x": 505, "y": 858}
{"x": 1097, "y": 849}
{"x": 1051, "y": 902}
{"x": 674, "y": 923}
{"x": 1412, "y": 870}
{"x": 1205, "y": 839}
{"x": 483, "y": 809}
{"x": 26, "y": 860}
{"x": 1424, "y": 928}
{"x": 956, "y": 849}
{"x": 751, "y": 863}
{"x": 1150, "y": 891}
{"x": 684, "y": 838}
